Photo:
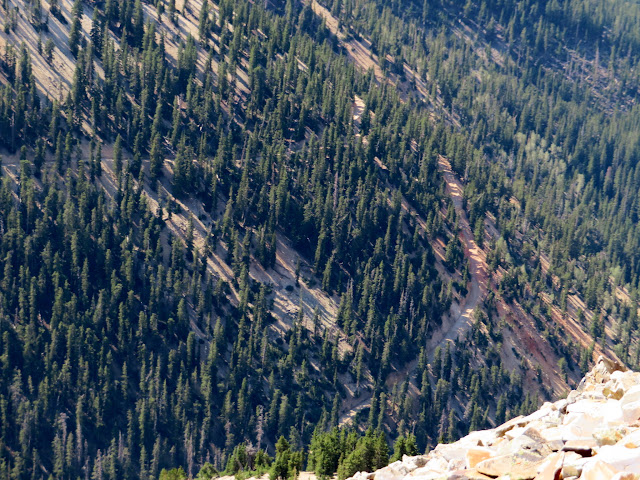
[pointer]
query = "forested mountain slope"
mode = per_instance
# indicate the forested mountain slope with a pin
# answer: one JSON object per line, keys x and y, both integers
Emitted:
{"x": 226, "y": 222}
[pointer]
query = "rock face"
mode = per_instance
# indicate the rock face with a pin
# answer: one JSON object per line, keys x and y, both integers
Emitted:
{"x": 593, "y": 434}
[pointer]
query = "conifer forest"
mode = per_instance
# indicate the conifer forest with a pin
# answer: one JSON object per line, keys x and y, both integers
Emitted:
{"x": 270, "y": 236}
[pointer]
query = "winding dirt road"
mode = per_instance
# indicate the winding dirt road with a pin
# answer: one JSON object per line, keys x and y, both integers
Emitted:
{"x": 460, "y": 319}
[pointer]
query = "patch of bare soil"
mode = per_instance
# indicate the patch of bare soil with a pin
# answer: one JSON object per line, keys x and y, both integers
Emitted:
{"x": 460, "y": 318}
{"x": 522, "y": 340}
{"x": 288, "y": 298}
{"x": 330, "y": 21}
{"x": 352, "y": 405}
{"x": 55, "y": 77}
{"x": 358, "y": 110}
{"x": 359, "y": 52}
{"x": 525, "y": 343}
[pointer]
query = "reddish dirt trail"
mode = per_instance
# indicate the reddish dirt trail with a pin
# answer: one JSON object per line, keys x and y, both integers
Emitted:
{"x": 461, "y": 316}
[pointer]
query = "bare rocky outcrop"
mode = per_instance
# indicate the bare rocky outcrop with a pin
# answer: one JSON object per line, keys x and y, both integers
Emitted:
{"x": 593, "y": 434}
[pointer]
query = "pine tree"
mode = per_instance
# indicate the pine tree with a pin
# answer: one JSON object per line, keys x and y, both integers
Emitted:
{"x": 156, "y": 157}
{"x": 117, "y": 156}
{"x": 75, "y": 32}
{"x": 203, "y": 26}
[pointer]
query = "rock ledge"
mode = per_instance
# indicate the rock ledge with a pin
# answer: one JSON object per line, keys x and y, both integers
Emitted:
{"x": 593, "y": 434}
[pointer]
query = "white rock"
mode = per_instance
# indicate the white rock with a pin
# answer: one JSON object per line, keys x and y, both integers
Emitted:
{"x": 514, "y": 432}
{"x": 583, "y": 406}
{"x": 621, "y": 458}
{"x": 412, "y": 463}
{"x": 546, "y": 410}
{"x": 452, "y": 452}
{"x": 631, "y": 440}
{"x": 392, "y": 471}
{"x": 609, "y": 409}
{"x": 561, "y": 405}
{"x": 573, "y": 464}
{"x": 631, "y": 395}
{"x": 580, "y": 425}
{"x": 360, "y": 476}
{"x": 435, "y": 464}
{"x": 618, "y": 374}
{"x": 631, "y": 411}
{"x": 386, "y": 474}
{"x": 457, "y": 463}
{"x": 480, "y": 438}
{"x": 614, "y": 414}
{"x": 397, "y": 469}
{"x": 621, "y": 383}
{"x": 478, "y": 454}
{"x": 559, "y": 433}
{"x": 571, "y": 398}
{"x": 432, "y": 475}
{"x": 598, "y": 470}
{"x": 602, "y": 413}
{"x": 624, "y": 476}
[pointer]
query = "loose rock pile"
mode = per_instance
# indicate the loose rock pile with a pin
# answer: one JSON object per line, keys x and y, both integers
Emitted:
{"x": 593, "y": 434}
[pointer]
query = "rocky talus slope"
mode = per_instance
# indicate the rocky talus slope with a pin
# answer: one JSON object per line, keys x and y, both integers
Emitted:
{"x": 593, "y": 434}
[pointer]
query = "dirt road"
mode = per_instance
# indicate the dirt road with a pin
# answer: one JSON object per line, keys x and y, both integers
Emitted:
{"x": 461, "y": 316}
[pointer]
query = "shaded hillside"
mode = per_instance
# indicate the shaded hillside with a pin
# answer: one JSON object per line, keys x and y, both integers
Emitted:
{"x": 223, "y": 223}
